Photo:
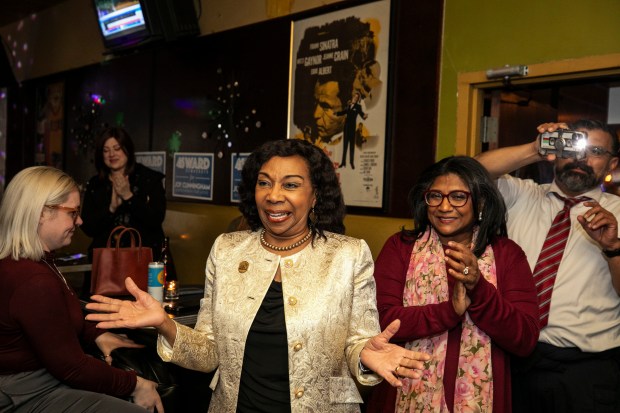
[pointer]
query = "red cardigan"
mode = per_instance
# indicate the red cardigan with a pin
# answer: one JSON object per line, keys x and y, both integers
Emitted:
{"x": 508, "y": 315}
{"x": 42, "y": 326}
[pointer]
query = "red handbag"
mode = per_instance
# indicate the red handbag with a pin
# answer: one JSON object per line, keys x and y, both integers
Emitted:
{"x": 112, "y": 264}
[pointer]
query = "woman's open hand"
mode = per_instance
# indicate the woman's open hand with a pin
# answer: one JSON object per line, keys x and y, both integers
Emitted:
{"x": 113, "y": 313}
{"x": 391, "y": 361}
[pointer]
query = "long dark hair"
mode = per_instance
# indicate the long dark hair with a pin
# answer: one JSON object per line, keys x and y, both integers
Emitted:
{"x": 485, "y": 197}
{"x": 126, "y": 144}
{"x": 329, "y": 210}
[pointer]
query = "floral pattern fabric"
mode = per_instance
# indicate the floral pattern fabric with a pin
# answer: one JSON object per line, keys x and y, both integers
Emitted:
{"x": 426, "y": 284}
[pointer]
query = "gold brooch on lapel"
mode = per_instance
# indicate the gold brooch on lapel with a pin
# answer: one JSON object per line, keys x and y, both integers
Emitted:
{"x": 243, "y": 266}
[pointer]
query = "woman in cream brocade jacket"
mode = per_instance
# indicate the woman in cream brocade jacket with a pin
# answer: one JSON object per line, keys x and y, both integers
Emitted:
{"x": 330, "y": 312}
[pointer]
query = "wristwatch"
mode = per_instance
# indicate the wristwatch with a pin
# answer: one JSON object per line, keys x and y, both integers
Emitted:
{"x": 611, "y": 253}
{"x": 364, "y": 369}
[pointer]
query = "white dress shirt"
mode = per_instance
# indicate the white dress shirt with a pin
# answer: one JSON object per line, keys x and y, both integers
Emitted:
{"x": 585, "y": 308}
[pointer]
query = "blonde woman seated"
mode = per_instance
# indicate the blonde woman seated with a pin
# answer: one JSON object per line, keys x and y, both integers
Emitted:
{"x": 43, "y": 367}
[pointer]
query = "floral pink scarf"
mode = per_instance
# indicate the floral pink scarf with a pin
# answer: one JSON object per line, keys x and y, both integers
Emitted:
{"x": 427, "y": 283}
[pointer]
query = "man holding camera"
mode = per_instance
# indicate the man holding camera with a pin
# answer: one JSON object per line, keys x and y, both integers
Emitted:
{"x": 569, "y": 232}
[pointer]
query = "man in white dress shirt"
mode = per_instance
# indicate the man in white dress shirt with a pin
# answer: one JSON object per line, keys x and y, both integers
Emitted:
{"x": 576, "y": 365}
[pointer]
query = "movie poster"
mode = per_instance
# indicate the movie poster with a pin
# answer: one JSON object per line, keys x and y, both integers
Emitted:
{"x": 338, "y": 94}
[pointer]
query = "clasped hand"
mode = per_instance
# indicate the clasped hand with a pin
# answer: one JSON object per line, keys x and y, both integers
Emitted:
{"x": 463, "y": 267}
{"x": 121, "y": 190}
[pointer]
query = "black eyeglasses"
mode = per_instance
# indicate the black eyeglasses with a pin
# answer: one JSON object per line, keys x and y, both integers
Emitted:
{"x": 455, "y": 198}
{"x": 74, "y": 213}
{"x": 597, "y": 151}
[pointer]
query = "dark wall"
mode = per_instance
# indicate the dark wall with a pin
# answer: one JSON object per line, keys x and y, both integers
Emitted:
{"x": 416, "y": 35}
{"x": 243, "y": 72}
{"x": 169, "y": 94}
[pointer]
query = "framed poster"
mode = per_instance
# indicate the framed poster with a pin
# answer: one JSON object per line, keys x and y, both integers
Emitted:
{"x": 338, "y": 94}
{"x": 237, "y": 160}
{"x": 192, "y": 175}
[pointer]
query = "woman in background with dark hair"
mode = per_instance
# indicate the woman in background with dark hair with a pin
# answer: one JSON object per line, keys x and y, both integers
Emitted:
{"x": 463, "y": 292}
{"x": 123, "y": 193}
{"x": 289, "y": 316}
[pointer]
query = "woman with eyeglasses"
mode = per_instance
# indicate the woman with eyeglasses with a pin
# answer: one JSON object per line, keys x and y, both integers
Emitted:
{"x": 463, "y": 292}
{"x": 43, "y": 367}
{"x": 123, "y": 192}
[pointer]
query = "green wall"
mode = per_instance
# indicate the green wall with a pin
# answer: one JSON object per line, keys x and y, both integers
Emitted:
{"x": 485, "y": 34}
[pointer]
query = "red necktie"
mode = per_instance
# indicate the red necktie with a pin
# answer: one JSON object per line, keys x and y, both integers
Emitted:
{"x": 549, "y": 259}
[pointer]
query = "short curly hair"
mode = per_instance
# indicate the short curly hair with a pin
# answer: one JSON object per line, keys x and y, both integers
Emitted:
{"x": 329, "y": 209}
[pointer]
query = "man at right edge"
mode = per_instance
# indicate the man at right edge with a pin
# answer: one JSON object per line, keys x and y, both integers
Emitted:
{"x": 576, "y": 364}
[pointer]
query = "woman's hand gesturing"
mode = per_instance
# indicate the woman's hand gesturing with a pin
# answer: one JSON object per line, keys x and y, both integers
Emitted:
{"x": 391, "y": 361}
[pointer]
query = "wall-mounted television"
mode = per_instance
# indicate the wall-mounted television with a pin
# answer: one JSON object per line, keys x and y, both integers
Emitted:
{"x": 125, "y": 23}
{"x": 129, "y": 23}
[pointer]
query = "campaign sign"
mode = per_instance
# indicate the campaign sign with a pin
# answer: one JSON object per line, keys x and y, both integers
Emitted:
{"x": 192, "y": 175}
{"x": 237, "y": 160}
{"x": 154, "y": 160}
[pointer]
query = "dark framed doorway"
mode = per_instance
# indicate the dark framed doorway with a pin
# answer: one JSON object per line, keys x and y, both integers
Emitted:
{"x": 514, "y": 110}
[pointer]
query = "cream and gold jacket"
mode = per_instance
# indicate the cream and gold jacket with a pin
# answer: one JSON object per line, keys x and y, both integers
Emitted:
{"x": 330, "y": 312}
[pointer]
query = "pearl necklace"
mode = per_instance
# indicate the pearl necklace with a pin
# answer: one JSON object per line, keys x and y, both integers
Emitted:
{"x": 288, "y": 247}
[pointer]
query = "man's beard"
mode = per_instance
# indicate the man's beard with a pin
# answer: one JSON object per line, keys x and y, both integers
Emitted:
{"x": 577, "y": 182}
